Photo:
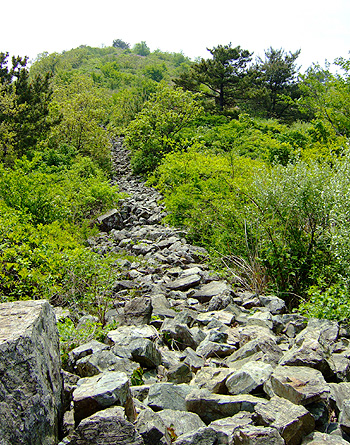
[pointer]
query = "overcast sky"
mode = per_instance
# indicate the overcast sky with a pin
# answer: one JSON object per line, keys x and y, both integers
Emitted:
{"x": 321, "y": 29}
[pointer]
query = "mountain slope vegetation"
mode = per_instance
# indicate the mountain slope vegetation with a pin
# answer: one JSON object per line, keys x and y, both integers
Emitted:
{"x": 251, "y": 155}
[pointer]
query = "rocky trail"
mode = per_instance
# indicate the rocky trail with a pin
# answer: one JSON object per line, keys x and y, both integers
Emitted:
{"x": 194, "y": 361}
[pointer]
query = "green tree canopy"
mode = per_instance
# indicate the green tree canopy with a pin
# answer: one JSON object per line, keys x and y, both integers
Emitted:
{"x": 29, "y": 118}
{"x": 118, "y": 43}
{"x": 274, "y": 84}
{"x": 154, "y": 131}
{"x": 141, "y": 49}
{"x": 219, "y": 78}
{"x": 327, "y": 95}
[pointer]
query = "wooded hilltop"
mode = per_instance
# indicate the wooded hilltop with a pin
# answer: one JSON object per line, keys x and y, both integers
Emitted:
{"x": 252, "y": 158}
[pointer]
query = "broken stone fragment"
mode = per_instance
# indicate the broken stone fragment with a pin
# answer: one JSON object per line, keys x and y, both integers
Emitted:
{"x": 168, "y": 396}
{"x": 184, "y": 283}
{"x": 107, "y": 426}
{"x": 299, "y": 384}
{"x": 99, "y": 392}
{"x": 293, "y": 422}
{"x": 152, "y": 429}
{"x": 248, "y": 378}
{"x": 30, "y": 368}
{"x": 216, "y": 406}
{"x": 210, "y": 290}
{"x": 257, "y": 435}
{"x": 110, "y": 220}
{"x": 138, "y": 311}
{"x": 181, "y": 424}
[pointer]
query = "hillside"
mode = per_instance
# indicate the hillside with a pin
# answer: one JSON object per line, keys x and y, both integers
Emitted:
{"x": 251, "y": 158}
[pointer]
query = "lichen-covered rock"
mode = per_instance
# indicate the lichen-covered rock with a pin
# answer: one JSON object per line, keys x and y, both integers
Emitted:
{"x": 99, "y": 392}
{"x": 293, "y": 422}
{"x": 181, "y": 424}
{"x": 168, "y": 396}
{"x": 30, "y": 369}
{"x": 299, "y": 384}
{"x": 257, "y": 435}
{"x": 249, "y": 377}
{"x": 107, "y": 427}
{"x": 152, "y": 428}
{"x": 211, "y": 407}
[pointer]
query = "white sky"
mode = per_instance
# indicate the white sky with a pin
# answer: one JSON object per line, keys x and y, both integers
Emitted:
{"x": 321, "y": 28}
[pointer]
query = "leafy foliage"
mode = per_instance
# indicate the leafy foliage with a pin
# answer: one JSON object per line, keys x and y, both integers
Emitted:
{"x": 154, "y": 132}
{"x": 220, "y": 78}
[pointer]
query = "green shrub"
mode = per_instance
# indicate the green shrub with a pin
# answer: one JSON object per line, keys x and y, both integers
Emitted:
{"x": 74, "y": 194}
{"x": 154, "y": 132}
{"x": 331, "y": 302}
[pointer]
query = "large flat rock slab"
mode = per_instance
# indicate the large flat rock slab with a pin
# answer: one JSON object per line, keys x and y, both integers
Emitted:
{"x": 30, "y": 374}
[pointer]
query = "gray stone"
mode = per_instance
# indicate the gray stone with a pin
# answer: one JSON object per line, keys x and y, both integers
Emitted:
{"x": 293, "y": 422}
{"x": 124, "y": 334}
{"x": 268, "y": 350}
{"x": 99, "y": 392}
{"x": 204, "y": 436}
{"x": 257, "y": 435}
{"x": 224, "y": 317}
{"x": 138, "y": 311}
{"x": 145, "y": 352}
{"x": 212, "y": 349}
{"x": 103, "y": 361}
{"x": 340, "y": 367}
{"x": 110, "y": 220}
{"x": 152, "y": 429}
{"x": 213, "y": 379}
{"x": 30, "y": 368}
{"x": 181, "y": 424}
{"x": 339, "y": 392}
{"x": 108, "y": 426}
{"x": 215, "y": 406}
{"x": 184, "y": 283}
{"x": 84, "y": 350}
{"x": 274, "y": 304}
{"x": 344, "y": 416}
{"x": 179, "y": 373}
{"x": 219, "y": 302}
{"x": 261, "y": 318}
{"x": 168, "y": 396}
{"x": 179, "y": 334}
{"x": 299, "y": 384}
{"x": 210, "y": 290}
{"x": 69, "y": 384}
{"x": 310, "y": 353}
{"x": 193, "y": 360}
{"x": 317, "y": 438}
{"x": 249, "y": 377}
{"x": 229, "y": 424}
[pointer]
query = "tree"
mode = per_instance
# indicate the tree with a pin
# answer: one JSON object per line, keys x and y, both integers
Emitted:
{"x": 118, "y": 43}
{"x": 220, "y": 78}
{"x": 154, "y": 132}
{"x": 274, "y": 84}
{"x": 83, "y": 109}
{"x": 141, "y": 49}
{"x": 31, "y": 98}
{"x": 327, "y": 96}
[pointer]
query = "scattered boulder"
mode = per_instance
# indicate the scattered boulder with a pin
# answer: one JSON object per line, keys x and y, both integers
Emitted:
{"x": 99, "y": 392}
{"x": 31, "y": 385}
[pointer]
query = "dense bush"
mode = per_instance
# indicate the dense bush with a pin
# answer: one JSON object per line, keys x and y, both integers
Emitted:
{"x": 72, "y": 194}
{"x": 280, "y": 219}
{"x": 155, "y": 130}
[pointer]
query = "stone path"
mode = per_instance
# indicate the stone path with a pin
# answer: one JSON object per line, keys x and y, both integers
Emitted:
{"x": 194, "y": 361}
